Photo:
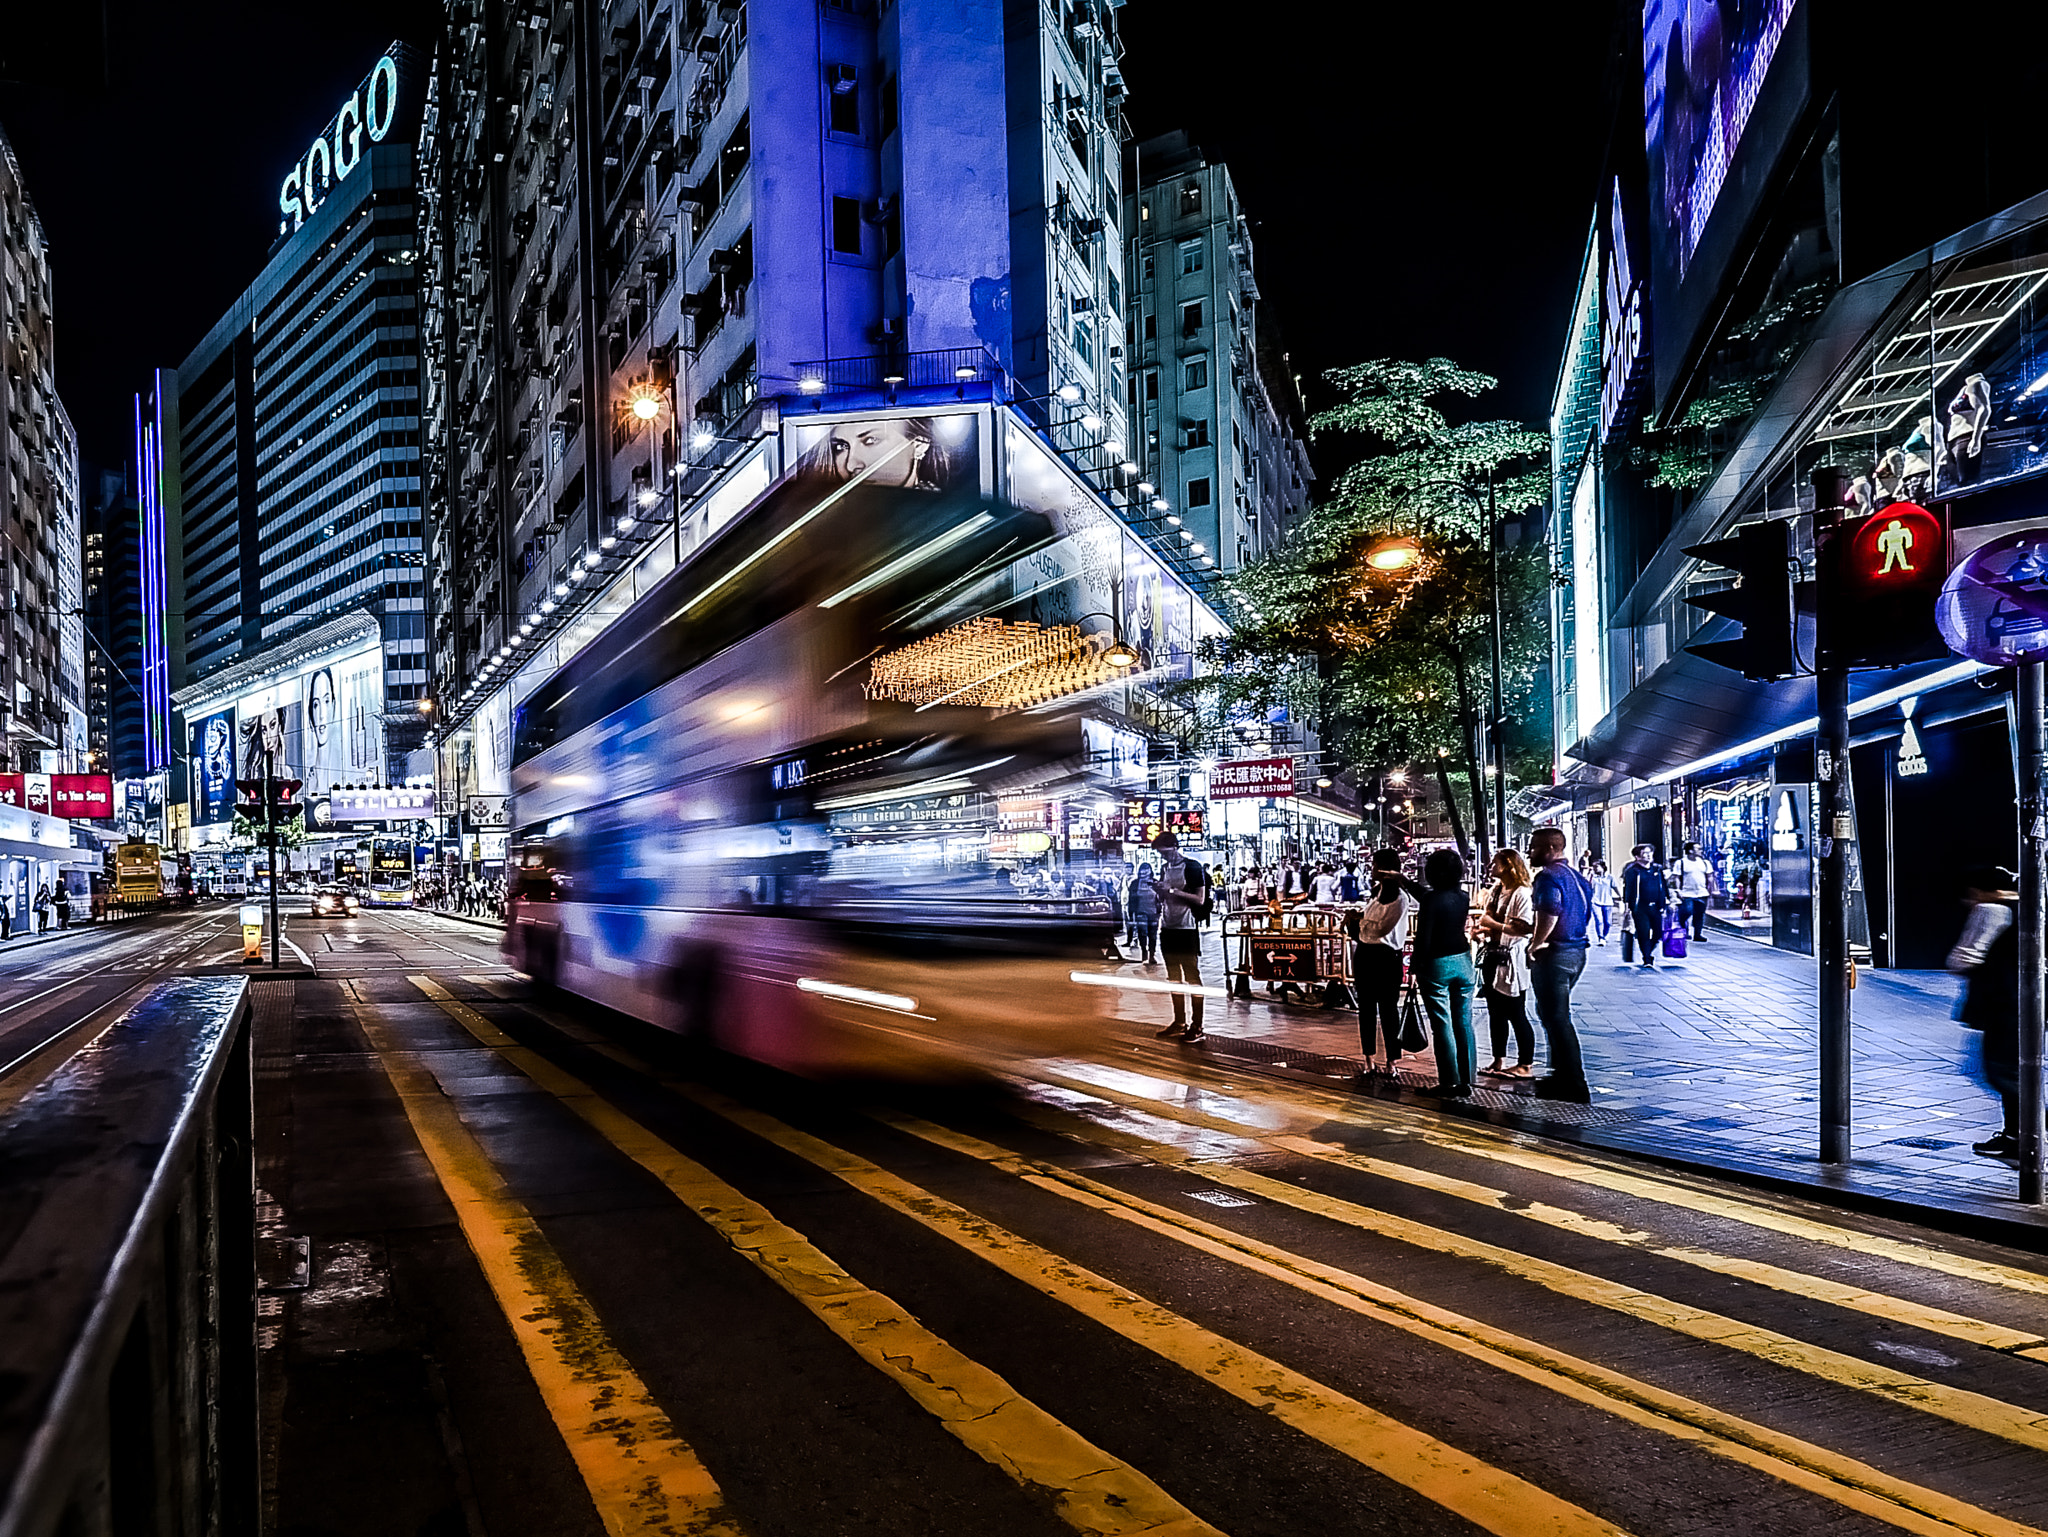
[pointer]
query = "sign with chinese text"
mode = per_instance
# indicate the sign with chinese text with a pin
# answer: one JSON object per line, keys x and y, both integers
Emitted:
{"x": 1244, "y": 779}
{"x": 62, "y": 795}
{"x": 1283, "y": 957}
{"x": 379, "y": 805}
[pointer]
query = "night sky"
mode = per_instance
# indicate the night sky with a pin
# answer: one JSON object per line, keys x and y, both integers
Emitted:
{"x": 1421, "y": 178}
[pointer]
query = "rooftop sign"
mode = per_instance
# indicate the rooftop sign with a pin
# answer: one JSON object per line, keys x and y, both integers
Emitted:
{"x": 366, "y": 118}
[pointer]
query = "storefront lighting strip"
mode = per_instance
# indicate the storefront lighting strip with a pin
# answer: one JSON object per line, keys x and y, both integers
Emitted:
{"x": 1961, "y": 672}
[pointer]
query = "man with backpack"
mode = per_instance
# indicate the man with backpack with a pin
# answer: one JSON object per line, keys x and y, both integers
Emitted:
{"x": 1646, "y": 894}
{"x": 1185, "y": 900}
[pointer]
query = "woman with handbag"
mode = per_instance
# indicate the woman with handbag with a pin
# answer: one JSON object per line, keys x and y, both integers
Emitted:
{"x": 1504, "y": 923}
{"x": 1379, "y": 932}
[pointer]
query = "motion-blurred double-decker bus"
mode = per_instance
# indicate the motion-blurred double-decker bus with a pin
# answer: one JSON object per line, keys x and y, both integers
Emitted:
{"x": 766, "y": 808}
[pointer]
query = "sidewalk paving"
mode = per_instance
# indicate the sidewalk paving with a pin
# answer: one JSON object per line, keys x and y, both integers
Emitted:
{"x": 1713, "y": 1060}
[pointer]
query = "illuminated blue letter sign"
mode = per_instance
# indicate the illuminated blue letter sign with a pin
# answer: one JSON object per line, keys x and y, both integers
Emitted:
{"x": 370, "y": 111}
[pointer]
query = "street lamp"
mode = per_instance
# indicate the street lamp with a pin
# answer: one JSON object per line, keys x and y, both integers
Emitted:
{"x": 1393, "y": 555}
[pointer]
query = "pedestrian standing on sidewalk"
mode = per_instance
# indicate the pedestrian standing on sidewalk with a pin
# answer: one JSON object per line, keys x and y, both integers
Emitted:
{"x": 1379, "y": 933}
{"x": 1557, "y": 955}
{"x": 1141, "y": 901}
{"x": 1506, "y": 920}
{"x": 1695, "y": 886}
{"x": 1988, "y": 955}
{"x": 1644, "y": 893}
{"x": 1603, "y": 897}
{"x": 42, "y": 908}
{"x": 62, "y": 902}
{"x": 1348, "y": 887}
{"x": 1443, "y": 970}
{"x": 1184, "y": 903}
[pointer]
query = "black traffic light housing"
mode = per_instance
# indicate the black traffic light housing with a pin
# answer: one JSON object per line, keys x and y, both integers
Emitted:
{"x": 269, "y": 803}
{"x": 1760, "y": 554}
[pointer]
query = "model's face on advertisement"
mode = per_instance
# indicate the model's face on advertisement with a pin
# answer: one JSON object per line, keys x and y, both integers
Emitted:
{"x": 887, "y": 446}
{"x": 320, "y": 706}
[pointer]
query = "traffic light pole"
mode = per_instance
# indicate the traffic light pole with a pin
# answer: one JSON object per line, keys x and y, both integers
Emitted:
{"x": 1834, "y": 831}
{"x": 270, "y": 837}
{"x": 2032, "y": 918}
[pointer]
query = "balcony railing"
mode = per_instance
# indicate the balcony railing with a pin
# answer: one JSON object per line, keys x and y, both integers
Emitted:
{"x": 910, "y": 370}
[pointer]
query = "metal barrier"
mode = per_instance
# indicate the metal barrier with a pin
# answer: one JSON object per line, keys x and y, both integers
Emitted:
{"x": 128, "y": 1280}
{"x": 1296, "y": 947}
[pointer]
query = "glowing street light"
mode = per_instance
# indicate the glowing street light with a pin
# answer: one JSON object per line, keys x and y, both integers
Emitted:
{"x": 1393, "y": 555}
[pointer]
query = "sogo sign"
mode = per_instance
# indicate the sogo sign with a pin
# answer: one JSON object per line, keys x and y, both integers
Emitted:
{"x": 367, "y": 115}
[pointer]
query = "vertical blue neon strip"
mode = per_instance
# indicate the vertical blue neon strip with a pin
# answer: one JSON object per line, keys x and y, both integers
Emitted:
{"x": 156, "y": 700}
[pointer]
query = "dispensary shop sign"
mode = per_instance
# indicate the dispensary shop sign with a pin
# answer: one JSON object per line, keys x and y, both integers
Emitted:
{"x": 366, "y": 118}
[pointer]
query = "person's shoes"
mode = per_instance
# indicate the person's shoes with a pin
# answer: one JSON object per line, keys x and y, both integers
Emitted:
{"x": 1493, "y": 1069}
{"x": 1651, "y": 964}
{"x": 1998, "y": 1145}
{"x": 1193, "y": 1036}
{"x": 1169, "y": 1031}
{"x": 1562, "y": 1089}
{"x": 1519, "y": 1070}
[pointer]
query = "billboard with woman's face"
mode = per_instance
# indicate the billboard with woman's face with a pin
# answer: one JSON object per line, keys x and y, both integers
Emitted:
{"x": 919, "y": 453}
{"x": 343, "y": 735}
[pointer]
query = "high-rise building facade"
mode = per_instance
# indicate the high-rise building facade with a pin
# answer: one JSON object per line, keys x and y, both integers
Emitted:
{"x": 291, "y": 472}
{"x": 113, "y": 623}
{"x": 651, "y": 227}
{"x": 1216, "y": 420}
{"x": 42, "y": 646}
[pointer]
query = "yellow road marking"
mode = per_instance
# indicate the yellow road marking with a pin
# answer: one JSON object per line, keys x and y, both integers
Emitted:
{"x": 1974, "y": 1411}
{"x": 641, "y": 1475}
{"x": 1816, "y": 1469}
{"x": 1900, "y": 1310}
{"x": 1093, "y": 1491}
{"x": 1488, "y": 1497}
{"x": 1520, "y": 1155}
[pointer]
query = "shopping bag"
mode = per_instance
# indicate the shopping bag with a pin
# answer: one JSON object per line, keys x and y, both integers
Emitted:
{"x": 1674, "y": 933}
{"x": 1413, "y": 1036}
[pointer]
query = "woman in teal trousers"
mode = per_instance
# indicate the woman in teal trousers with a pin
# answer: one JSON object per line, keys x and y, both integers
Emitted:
{"x": 1443, "y": 971}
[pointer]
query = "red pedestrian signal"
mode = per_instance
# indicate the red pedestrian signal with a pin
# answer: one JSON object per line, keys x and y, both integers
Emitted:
{"x": 1888, "y": 568}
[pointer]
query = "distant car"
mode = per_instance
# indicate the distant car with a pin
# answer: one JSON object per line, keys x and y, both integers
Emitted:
{"x": 335, "y": 902}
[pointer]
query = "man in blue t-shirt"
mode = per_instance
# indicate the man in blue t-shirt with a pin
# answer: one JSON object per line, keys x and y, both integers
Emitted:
{"x": 1557, "y": 954}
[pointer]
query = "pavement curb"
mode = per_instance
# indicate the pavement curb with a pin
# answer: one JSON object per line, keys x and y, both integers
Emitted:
{"x": 2021, "y": 1228}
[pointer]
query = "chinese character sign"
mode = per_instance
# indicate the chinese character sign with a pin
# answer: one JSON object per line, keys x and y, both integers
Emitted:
{"x": 1251, "y": 779}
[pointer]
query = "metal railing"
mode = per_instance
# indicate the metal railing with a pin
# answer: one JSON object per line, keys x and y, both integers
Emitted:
{"x": 128, "y": 1280}
{"x": 917, "y": 370}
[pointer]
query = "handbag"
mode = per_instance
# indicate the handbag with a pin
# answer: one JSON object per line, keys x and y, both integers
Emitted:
{"x": 1413, "y": 1036}
{"x": 1674, "y": 933}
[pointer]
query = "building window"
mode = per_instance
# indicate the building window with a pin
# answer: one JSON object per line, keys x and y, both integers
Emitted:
{"x": 1151, "y": 384}
{"x": 1191, "y": 319}
{"x": 1198, "y": 492}
{"x": 1147, "y": 267}
{"x": 846, "y": 225}
{"x": 1084, "y": 340}
{"x": 1198, "y": 435}
{"x": 889, "y": 108}
{"x": 1116, "y": 294}
{"x": 1150, "y": 329}
{"x": 1195, "y": 374}
{"x": 1190, "y": 256}
{"x": 1191, "y": 198}
{"x": 843, "y": 110}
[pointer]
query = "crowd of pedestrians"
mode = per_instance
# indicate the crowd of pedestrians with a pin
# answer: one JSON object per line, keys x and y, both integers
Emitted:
{"x": 471, "y": 896}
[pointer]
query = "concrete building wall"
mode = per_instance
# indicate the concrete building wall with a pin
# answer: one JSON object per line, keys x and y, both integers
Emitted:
{"x": 42, "y": 685}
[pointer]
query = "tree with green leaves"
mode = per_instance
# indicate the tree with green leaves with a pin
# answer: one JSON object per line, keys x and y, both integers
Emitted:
{"x": 1372, "y": 620}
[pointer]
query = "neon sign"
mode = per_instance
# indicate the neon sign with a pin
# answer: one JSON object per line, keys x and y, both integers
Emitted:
{"x": 1621, "y": 324}
{"x": 339, "y": 149}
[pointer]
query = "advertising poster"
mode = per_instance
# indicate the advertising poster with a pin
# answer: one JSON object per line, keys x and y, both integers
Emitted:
{"x": 213, "y": 769}
{"x": 339, "y": 708}
{"x": 923, "y": 453}
{"x": 1704, "y": 64}
{"x": 271, "y": 734}
{"x": 1076, "y": 579}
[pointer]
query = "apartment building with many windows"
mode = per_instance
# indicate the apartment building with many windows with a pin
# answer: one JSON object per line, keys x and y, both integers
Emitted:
{"x": 1216, "y": 420}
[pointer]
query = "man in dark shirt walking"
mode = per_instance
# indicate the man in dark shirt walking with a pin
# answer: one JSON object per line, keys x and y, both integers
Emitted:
{"x": 1645, "y": 892}
{"x": 1557, "y": 955}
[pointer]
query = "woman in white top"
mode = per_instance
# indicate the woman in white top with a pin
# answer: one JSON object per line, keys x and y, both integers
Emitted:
{"x": 1503, "y": 924}
{"x": 1379, "y": 934}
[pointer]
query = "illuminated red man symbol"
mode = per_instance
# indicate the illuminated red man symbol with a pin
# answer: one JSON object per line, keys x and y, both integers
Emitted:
{"x": 1893, "y": 544}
